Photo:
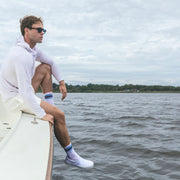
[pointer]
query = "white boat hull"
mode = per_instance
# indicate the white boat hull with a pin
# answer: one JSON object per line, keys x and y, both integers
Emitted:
{"x": 26, "y": 150}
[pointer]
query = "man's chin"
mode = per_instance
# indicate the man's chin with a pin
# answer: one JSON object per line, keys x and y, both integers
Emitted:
{"x": 40, "y": 41}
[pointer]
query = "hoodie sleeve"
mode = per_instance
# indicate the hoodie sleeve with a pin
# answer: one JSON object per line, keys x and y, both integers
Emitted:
{"x": 43, "y": 58}
{"x": 23, "y": 73}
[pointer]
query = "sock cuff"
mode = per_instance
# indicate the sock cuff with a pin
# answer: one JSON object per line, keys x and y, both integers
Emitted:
{"x": 48, "y": 95}
{"x": 68, "y": 148}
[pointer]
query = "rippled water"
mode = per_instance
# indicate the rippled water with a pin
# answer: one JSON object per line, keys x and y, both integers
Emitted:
{"x": 128, "y": 136}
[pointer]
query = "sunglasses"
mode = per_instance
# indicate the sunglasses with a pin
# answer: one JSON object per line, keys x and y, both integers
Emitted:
{"x": 39, "y": 30}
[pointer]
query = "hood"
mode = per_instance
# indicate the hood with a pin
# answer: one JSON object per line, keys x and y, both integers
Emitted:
{"x": 20, "y": 42}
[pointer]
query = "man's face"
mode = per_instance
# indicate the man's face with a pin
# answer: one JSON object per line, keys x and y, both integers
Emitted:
{"x": 34, "y": 35}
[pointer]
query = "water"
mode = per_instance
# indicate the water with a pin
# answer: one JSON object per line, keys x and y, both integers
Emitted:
{"x": 128, "y": 136}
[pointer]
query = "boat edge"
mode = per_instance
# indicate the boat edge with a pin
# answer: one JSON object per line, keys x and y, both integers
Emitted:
{"x": 50, "y": 159}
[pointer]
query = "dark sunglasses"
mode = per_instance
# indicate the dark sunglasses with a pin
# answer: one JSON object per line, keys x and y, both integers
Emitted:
{"x": 39, "y": 30}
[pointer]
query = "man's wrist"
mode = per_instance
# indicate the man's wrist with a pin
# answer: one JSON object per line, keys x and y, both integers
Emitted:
{"x": 62, "y": 82}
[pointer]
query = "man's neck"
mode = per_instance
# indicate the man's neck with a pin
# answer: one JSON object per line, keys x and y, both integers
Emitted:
{"x": 31, "y": 44}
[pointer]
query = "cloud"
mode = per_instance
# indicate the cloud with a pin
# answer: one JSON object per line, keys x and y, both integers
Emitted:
{"x": 117, "y": 42}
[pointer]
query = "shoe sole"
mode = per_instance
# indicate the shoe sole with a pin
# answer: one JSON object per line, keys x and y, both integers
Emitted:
{"x": 67, "y": 161}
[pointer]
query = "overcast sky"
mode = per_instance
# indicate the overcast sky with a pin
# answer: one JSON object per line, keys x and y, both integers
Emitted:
{"x": 103, "y": 41}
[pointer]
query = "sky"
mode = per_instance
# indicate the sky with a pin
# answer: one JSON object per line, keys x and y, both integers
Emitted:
{"x": 103, "y": 41}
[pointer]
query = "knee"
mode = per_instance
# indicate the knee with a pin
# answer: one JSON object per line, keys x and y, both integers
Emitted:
{"x": 46, "y": 68}
{"x": 43, "y": 69}
{"x": 60, "y": 118}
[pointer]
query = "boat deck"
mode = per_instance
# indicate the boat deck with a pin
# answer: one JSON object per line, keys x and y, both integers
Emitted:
{"x": 4, "y": 129}
{"x": 8, "y": 122}
{"x": 27, "y": 149}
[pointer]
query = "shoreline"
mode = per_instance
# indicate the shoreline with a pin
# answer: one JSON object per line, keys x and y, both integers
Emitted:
{"x": 120, "y": 92}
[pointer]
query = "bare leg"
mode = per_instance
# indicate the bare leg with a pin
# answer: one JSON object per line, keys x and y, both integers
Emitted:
{"x": 43, "y": 78}
{"x": 60, "y": 128}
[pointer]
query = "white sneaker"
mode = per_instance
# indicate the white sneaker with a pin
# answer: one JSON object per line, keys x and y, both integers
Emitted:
{"x": 83, "y": 163}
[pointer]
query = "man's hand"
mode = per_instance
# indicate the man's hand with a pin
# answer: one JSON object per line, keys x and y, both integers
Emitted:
{"x": 63, "y": 90}
{"x": 48, "y": 117}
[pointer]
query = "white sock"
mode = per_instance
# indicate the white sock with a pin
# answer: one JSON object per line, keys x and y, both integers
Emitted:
{"x": 49, "y": 97}
{"x": 74, "y": 159}
{"x": 71, "y": 153}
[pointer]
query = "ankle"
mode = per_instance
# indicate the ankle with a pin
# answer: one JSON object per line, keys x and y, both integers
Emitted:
{"x": 71, "y": 153}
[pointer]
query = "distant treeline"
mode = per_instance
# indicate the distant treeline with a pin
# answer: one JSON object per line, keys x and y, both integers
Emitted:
{"x": 117, "y": 88}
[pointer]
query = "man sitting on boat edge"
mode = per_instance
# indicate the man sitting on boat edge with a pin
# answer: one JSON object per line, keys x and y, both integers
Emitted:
{"x": 19, "y": 79}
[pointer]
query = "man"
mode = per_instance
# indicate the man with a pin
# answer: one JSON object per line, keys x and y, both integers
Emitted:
{"x": 20, "y": 80}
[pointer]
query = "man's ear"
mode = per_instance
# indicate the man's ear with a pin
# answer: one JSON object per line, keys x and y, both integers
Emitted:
{"x": 26, "y": 30}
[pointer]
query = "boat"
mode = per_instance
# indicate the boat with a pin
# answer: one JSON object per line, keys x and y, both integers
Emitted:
{"x": 26, "y": 147}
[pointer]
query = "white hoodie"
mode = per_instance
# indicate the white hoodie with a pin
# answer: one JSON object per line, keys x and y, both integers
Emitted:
{"x": 18, "y": 70}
